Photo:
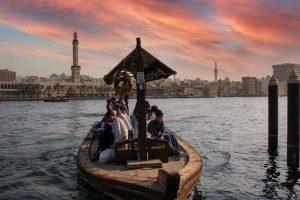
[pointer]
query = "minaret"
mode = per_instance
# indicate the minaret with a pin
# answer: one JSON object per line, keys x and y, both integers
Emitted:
{"x": 75, "y": 68}
{"x": 216, "y": 72}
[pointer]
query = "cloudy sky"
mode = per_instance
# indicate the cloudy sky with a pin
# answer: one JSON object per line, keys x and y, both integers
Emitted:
{"x": 245, "y": 37}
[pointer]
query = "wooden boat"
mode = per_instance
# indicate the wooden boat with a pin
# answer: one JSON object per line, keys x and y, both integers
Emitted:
{"x": 56, "y": 99}
{"x": 175, "y": 180}
{"x": 150, "y": 172}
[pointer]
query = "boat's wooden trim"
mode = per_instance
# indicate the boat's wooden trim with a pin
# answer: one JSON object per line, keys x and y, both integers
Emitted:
{"x": 190, "y": 173}
{"x": 138, "y": 187}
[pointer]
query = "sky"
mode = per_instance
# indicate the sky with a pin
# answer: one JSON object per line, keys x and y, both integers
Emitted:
{"x": 245, "y": 37}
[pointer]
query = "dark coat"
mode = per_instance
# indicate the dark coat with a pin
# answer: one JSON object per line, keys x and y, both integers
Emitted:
{"x": 156, "y": 129}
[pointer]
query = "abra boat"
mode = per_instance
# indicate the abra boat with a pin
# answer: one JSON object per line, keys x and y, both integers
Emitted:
{"x": 174, "y": 180}
{"x": 142, "y": 167}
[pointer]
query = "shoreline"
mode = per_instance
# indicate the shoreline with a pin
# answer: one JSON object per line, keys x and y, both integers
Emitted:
{"x": 103, "y": 98}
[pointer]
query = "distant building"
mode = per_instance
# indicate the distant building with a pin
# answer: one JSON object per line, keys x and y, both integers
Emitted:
{"x": 33, "y": 79}
{"x": 282, "y": 73}
{"x": 250, "y": 86}
{"x": 7, "y": 76}
{"x": 264, "y": 85}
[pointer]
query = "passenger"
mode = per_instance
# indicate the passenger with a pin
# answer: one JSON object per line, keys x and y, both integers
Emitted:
{"x": 119, "y": 128}
{"x": 108, "y": 101}
{"x": 158, "y": 131}
{"x": 109, "y": 106}
{"x": 156, "y": 127}
{"x": 148, "y": 116}
{"x": 126, "y": 98}
{"x": 124, "y": 118}
{"x": 147, "y": 105}
{"x": 127, "y": 121}
{"x": 154, "y": 108}
{"x": 103, "y": 121}
{"x": 106, "y": 138}
{"x": 113, "y": 101}
{"x": 136, "y": 128}
{"x": 133, "y": 117}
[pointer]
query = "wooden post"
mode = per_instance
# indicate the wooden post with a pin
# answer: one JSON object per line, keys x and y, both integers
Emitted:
{"x": 293, "y": 120}
{"x": 273, "y": 115}
{"x": 141, "y": 90}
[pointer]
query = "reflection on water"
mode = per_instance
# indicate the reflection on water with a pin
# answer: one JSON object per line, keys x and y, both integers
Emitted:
{"x": 196, "y": 194}
{"x": 272, "y": 176}
{"x": 291, "y": 181}
{"x": 273, "y": 181}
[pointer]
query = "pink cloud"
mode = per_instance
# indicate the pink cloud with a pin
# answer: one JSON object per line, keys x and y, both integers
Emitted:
{"x": 242, "y": 35}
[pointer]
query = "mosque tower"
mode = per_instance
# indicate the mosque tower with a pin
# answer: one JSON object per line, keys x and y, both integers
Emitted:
{"x": 75, "y": 68}
{"x": 216, "y": 72}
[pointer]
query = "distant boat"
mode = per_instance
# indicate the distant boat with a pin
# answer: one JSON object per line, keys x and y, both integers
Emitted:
{"x": 56, "y": 99}
{"x": 149, "y": 172}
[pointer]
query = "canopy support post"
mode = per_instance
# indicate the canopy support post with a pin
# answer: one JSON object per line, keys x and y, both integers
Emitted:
{"x": 141, "y": 91}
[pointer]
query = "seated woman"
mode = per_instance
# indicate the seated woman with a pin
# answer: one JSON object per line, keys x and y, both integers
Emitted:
{"x": 157, "y": 130}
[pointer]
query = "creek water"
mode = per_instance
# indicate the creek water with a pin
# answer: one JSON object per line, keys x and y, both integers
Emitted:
{"x": 39, "y": 143}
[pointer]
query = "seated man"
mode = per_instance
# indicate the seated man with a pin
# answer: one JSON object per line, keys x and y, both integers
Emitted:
{"x": 157, "y": 130}
{"x": 121, "y": 113}
{"x": 119, "y": 128}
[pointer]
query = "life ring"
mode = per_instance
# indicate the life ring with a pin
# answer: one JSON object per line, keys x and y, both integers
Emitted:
{"x": 123, "y": 85}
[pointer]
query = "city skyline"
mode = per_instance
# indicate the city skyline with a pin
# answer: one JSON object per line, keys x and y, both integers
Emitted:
{"x": 246, "y": 38}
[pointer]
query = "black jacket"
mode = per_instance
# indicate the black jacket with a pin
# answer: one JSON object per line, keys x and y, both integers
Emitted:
{"x": 156, "y": 129}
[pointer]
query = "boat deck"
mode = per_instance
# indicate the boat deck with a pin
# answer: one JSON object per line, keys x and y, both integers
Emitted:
{"x": 146, "y": 173}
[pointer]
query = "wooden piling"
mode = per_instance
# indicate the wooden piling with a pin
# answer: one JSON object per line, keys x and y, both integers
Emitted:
{"x": 273, "y": 114}
{"x": 293, "y": 120}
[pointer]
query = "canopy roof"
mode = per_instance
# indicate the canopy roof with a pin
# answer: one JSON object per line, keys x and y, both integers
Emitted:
{"x": 154, "y": 69}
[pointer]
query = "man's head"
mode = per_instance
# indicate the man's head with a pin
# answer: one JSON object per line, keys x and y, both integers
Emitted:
{"x": 147, "y": 105}
{"x": 148, "y": 114}
{"x": 159, "y": 116}
{"x": 154, "y": 108}
{"x": 118, "y": 109}
{"x": 109, "y": 106}
{"x": 113, "y": 100}
{"x": 123, "y": 109}
{"x": 110, "y": 115}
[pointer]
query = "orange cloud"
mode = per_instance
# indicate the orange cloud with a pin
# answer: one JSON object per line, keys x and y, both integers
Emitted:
{"x": 242, "y": 35}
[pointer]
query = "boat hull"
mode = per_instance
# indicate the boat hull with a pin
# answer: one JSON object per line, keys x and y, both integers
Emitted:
{"x": 120, "y": 186}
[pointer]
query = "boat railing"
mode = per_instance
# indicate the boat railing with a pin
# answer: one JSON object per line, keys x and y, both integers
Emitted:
{"x": 128, "y": 150}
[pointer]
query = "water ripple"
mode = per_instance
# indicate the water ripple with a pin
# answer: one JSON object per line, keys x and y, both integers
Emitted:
{"x": 39, "y": 144}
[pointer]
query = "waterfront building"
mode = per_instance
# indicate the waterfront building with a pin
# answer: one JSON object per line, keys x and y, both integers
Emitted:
{"x": 282, "y": 73}
{"x": 7, "y": 76}
{"x": 249, "y": 86}
{"x": 56, "y": 85}
{"x": 264, "y": 85}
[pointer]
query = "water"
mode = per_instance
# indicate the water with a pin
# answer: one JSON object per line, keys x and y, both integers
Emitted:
{"x": 39, "y": 143}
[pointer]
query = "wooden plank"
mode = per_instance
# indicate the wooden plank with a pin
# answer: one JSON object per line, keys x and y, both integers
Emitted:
{"x": 133, "y": 164}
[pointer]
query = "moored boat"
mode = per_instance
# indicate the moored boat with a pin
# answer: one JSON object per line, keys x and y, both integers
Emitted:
{"x": 56, "y": 99}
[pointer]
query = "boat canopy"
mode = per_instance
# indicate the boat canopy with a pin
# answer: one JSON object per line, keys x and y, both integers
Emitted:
{"x": 154, "y": 69}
